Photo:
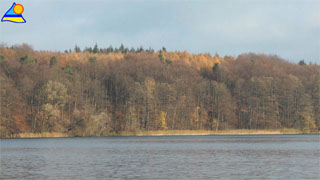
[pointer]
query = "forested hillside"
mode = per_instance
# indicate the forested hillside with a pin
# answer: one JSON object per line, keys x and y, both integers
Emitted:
{"x": 103, "y": 91}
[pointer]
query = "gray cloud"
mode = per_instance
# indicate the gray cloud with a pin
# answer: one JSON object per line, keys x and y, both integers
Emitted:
{"x": 288, "y": 28}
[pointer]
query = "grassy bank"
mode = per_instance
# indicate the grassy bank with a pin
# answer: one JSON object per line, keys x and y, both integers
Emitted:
{"x": 172, "y": 133}
{"x": 206, "y": 132}
{"x": 40, "y": 135}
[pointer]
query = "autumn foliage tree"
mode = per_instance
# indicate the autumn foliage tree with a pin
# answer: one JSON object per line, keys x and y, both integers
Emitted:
{"x": 101, "y": 91}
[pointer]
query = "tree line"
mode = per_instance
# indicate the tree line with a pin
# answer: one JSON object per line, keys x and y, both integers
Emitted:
{"x": 111, "y": 49}
{"x": 84, "y": 93}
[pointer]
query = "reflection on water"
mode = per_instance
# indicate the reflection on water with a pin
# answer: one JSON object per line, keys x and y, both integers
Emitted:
{"x": 179, "y": 157}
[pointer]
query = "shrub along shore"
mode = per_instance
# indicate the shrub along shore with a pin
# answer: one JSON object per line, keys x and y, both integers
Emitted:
{"x": 169, "y": 133}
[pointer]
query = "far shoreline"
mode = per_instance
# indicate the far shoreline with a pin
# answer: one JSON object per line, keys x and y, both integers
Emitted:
{"x": 167, "y": 133}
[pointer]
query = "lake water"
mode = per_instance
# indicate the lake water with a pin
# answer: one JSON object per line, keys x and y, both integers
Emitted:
{"x": 171, "y": 157}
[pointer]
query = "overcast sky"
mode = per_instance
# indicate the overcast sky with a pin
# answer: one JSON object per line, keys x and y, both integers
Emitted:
{"x": 288, "y": 28}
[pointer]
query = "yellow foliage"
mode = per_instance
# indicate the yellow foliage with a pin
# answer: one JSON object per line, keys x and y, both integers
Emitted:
{"x": 215, "y": 124}
{"x": 197, "y": 61}
{"x": 162, "y": 121}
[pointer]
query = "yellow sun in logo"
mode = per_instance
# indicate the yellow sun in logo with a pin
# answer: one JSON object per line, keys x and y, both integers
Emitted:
{"x": 18, "y": 9}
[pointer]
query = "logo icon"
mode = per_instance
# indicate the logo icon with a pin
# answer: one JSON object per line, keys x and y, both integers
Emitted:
{"x": 14, "y": 14}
